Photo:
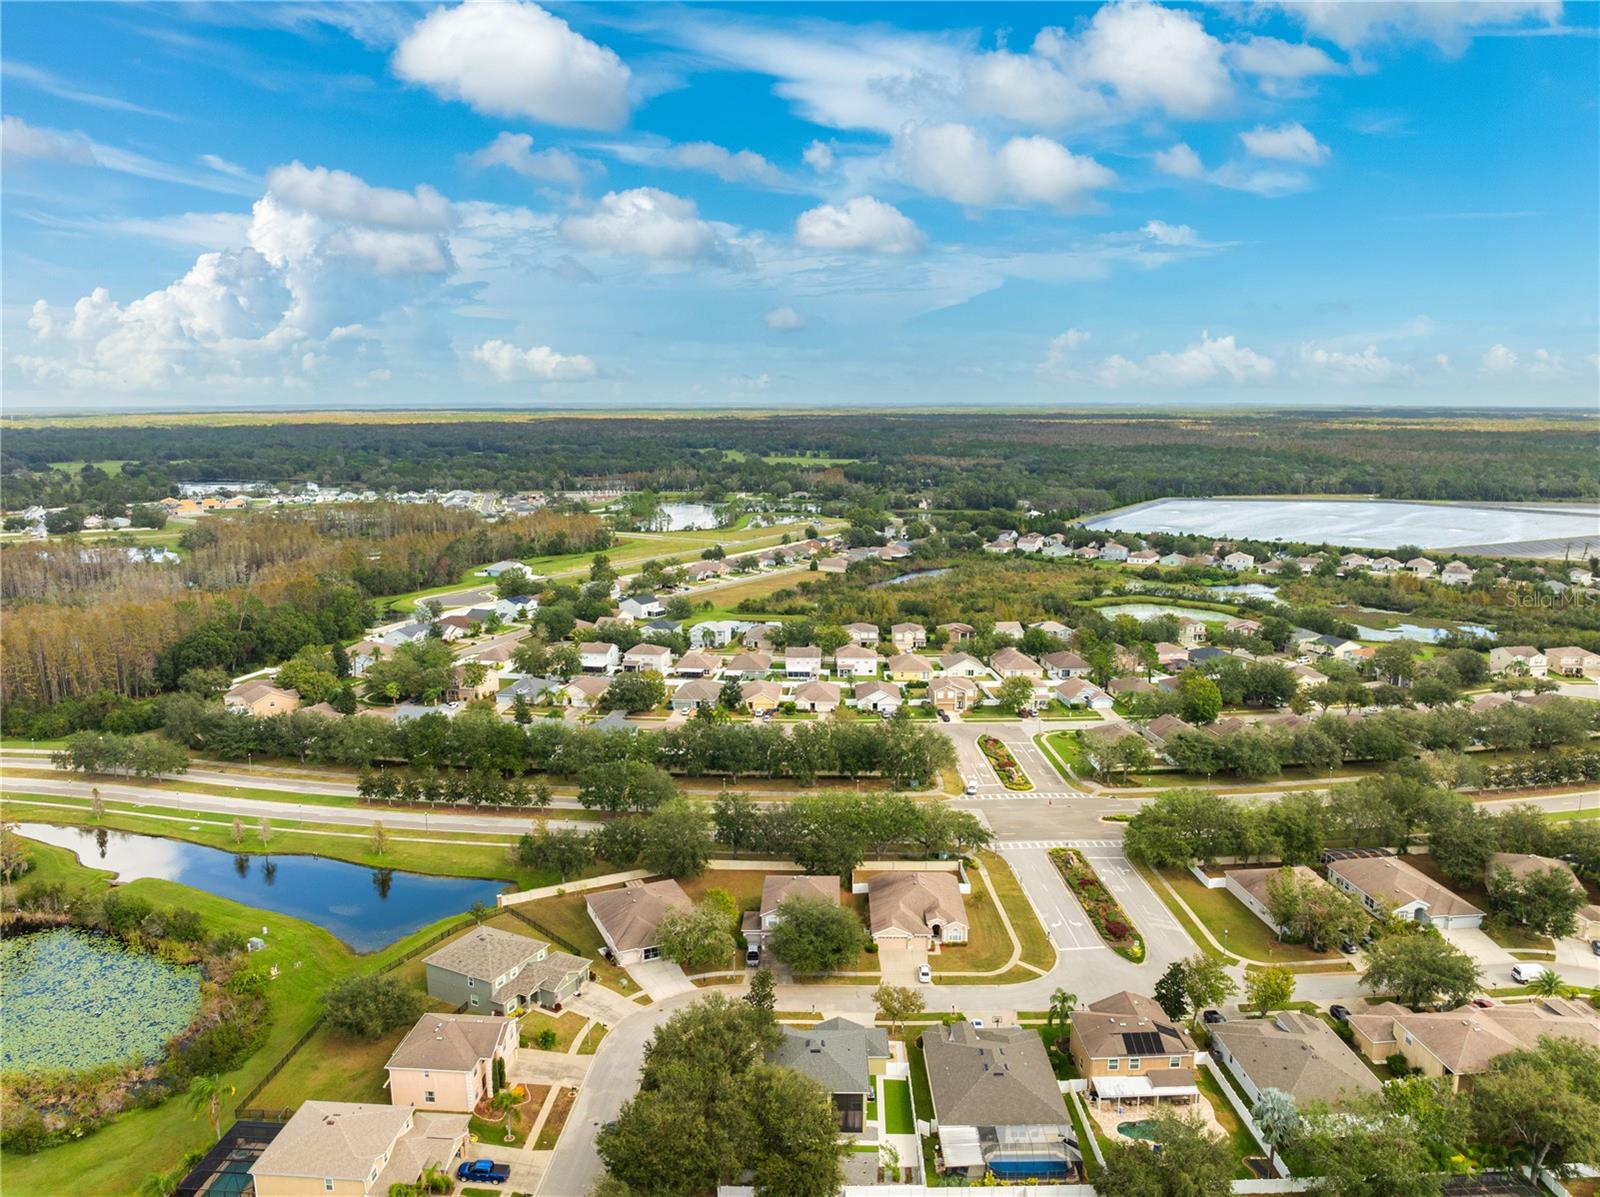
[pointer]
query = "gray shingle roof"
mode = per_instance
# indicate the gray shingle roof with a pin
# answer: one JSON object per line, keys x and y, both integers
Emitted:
{"x": 998, "y": 1077}
{"x": 834, "y": 1054}
{"x": 487, "y": 952}
{"x": 448, "y": 1042}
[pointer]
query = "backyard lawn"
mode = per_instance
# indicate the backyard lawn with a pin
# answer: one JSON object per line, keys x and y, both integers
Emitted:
{"x": 566, "y": 1027}
{"x": 897, "y": 1118}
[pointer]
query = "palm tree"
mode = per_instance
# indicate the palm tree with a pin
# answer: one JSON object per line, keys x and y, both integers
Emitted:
{"x": 159, "y": 1184}
{"x": 207, "y": 1093}
{"x": 1062, "y": 1004}
{"x": 1276, "y": 1115}
{"x": 1549, "y": 984}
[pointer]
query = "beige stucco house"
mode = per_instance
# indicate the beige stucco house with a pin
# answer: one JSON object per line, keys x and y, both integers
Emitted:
{"x": 446, "y": 1061}
{"x": 1127, "y": 1048}
{"x": 352, "y": 1149}
{"x": 916, "y": 910}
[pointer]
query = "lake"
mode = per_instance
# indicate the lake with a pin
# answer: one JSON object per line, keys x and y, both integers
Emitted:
{"x": 683, "y": 517}
{"x": 366, "y": 908}
{"x": 915, "y": 576}
{"x": 1360, "y": 523}
{"x": 74, "y": 1000}
{"x": 1151, "y": 610}
{"x": 1400, "y": 631}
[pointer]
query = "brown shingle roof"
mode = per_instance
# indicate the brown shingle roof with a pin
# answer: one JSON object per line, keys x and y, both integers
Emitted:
{"x": 629, "y": 915}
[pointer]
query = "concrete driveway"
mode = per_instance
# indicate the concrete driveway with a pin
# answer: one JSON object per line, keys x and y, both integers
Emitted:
{"x": 898, "y": 966}
{"x": 533, "y": 1067}
{"x": 660, "y": 979}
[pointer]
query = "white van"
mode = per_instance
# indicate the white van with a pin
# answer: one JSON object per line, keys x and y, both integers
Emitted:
{"x": 1526, "y": 974}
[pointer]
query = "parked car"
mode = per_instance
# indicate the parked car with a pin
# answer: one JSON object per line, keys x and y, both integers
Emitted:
{"x": 752, "y": 956}
{"x": 924, "y": 974}
{"x": 1594, "y": 944}
{"x": 1348, "y": 947}
{"x": 1212, "y": 1017}
{"x": 977, "y": 1022}
{"x": 1482, "y": 1003}
{"x": 1340, "y": 1013}
{"x": 1526, "y": 974}
{"x": 484, "y": 1172}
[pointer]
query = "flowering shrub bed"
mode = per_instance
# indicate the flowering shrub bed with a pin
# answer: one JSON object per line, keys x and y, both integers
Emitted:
{"x": 1104, "y": 911}
{"x": 1005, "y": 765}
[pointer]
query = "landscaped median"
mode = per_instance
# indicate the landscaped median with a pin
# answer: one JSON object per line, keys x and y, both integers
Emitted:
{"x": 1104, "y": 911}
{"x": 1005, "y": 765}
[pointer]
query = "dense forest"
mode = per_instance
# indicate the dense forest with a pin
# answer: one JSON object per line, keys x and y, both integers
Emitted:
{"x": 1071, "y": 461}
{"x": 92, "y": 629}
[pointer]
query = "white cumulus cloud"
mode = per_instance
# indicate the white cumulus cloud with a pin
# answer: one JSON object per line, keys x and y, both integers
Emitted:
{"x": 515, "y": 59}
{"x": 863, "y": 223}
{"x": 644, "y": 221}
{"x": 539, "y": 363}
{"x": 515, "y": 152}
{"x": 785, "y": 319}
{"x": 340, "y": 195}
{"x": 1180, "y": 160}
{"x": 1339, "y": 365}
{"x": 1290, "y": 142}
{"x": 1170, "y": 234}
{"x": 1157, "y": 56}
{"x": 1061, "y": 347}
{"x": 1208, "y": 360}
{"x": 955, "y": 162}
{"x": 1499, "y": 360}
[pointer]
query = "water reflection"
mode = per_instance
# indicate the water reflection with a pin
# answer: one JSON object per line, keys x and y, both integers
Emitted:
{"x": 367, "y": 908}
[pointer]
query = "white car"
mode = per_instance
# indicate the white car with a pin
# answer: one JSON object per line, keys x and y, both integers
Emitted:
{"x": 924, "y": 974}
{"x": 972, "y": 788}
{"x": 1526, "y": 974}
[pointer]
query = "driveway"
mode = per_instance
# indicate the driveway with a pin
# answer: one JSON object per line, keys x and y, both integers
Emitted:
{"x": 660, "y": 979}
{"x": 533, "y": 1067}
{"x": 1495, "y": 961}
{"x": 606, "y": 1005}
{"x": 898, "y": 966}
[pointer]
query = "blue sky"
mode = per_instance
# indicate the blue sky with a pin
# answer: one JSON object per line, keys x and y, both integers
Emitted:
{"x": 211, "y": 206}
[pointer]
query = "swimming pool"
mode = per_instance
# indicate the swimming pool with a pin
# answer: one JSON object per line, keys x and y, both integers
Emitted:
{"x": 1144, "y": 1128}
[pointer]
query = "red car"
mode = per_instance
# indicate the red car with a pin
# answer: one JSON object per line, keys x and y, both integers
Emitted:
{"x": 1482, "y": 1003}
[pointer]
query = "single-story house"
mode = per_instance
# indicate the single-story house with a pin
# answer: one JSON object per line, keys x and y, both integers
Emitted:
{"x": 1076, "y": 692}
{"x": 1065, "y": 664}
{"x": 1160, "y": 730}
{"x": 778, "y": 888}
{"x": 695, "y": 663}
{"x": 586, "y": 692}
{"x": 908, "y": 667}
{"x": 956, "y": 633}
{"x": 503, "y": 567}
{"x": 627, "y": 917}
{"x": 883, "y": 698}
{"x": 598, "y": 656}
{"x": 365, "y": 654}
{"x": 954, "y": 694}
{"x": 1242, "y": 627}
{"x": 1422, "y": 567}
{"x": 1008, "y": 662}
{"x": 1520, "y": 865}
{"x": 842, "y": 1057}
{"x": 454, "y": 627}
{"x": 997, "y": 1104}
{"x": 1456, "y": 573}
{"x": 1450, "y": 1044}
{"x": 356, "y": 1149}
{"x": 855, "y": 661}
{"x": 761, "y": 696}
{"x": 748, "y": 665}
{"x": 691, "y": 694}
{"x": 530, "y": 689}
{"x": 446, "y": 1061}
{"x": 261, "y": 699}
{"x": 917, "y": 910}
{"x": 821, "y": 697}
{"x": 1250, "y": 887}
{"x": 1386, "y": 882}
{"x": 1294, "y": 1052}
{"x": 490, "y": 971}
{"x": 962, "y": 665}
{"x": 1128, "y": 1049}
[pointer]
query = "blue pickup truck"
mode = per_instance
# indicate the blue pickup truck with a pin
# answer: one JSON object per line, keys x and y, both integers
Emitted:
{"x": 483, "y": 1170}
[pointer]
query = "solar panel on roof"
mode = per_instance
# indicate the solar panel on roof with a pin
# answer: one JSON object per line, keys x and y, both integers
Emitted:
{"x": 1141, "y": 1043}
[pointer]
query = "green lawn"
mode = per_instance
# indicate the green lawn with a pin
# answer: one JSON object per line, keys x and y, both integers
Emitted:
{"x": 897, "y": 1118}
{"x": 112, "y": 466}
{"x": 566, "y": 1025}
{"x": 140, "y": 1143}
{"x": 591, "y": 1041}
{"x": 1235, "y": 926}
{"x": 1036, "y": 948}
{"x": 1239, "y": 1137}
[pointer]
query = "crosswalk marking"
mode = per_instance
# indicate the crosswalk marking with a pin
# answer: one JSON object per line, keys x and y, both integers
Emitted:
{"x": 1018, "y": 795}
{"x": 1020, "y": 845}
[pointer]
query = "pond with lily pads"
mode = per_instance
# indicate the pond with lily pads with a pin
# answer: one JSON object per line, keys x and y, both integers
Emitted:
{"x": 74, "y": 1000}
